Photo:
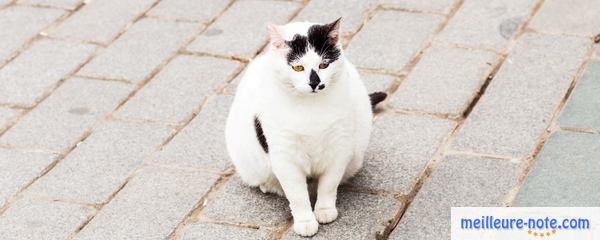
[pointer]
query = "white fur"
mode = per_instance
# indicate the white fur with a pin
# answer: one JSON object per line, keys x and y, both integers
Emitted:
{"x": 320, "y": 135}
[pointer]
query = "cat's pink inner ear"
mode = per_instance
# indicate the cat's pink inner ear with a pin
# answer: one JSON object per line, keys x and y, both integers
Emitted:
{"x": 276, "y": 37}
{"x": 334, "y": 33}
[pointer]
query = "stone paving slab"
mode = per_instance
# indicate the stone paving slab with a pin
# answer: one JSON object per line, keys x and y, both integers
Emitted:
{"x": 19, "y": 169}
{"x": 243, "y": 38}
{"x": 458, "y": 181}
{"x": 101, "y": 21}
{"x": 583, "y": 108}
{"x": 238, "y": 203}
{"x": 61, "y": 119}
{"x": 54, "y": 60}
{"x": 201, "y": 144}
{"x": 149, "y": 43}
{"x": 486, "y": 24}
{"x": 572, "y": 17}
{"x": 444, "y": 81}
{"x": 565, "y": 173}
{"x": 213, "y": 231}
{"x": 198, "y": 10}
{"x": 384, "y": 46}
{"x": 150, "y": 206}
{"x": 66, "y": 4}
{"x": 100, "y": 165}
{"x": 28, "y": 219}
{"x": 19, "y": 24}
{"x": 438, "y": 6}
{"x": 519, "y": 102}
{"x": 326, "y": 11}
{"x": 374, "y": 212}
{"x": 179, "y": 89}
{"x": 400, "y": 148}
{"x": 7, "y": 117}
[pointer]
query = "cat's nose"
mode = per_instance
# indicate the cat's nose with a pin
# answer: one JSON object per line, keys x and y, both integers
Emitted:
{"x": 314, "y": 80}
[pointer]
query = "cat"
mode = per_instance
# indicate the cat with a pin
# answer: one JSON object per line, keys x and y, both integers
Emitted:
{"x": 301, "y": 111}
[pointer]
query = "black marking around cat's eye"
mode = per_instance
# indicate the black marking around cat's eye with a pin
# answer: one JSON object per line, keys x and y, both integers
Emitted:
{"x": 325, "y": 46}
{"x": 262, "y": 140}
{"x": 298, "y": 48}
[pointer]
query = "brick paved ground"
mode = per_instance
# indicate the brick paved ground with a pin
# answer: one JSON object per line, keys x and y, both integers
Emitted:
{"x": 112, "y": 114}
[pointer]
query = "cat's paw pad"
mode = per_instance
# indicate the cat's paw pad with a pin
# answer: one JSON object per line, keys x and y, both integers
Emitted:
{"x": 326, "y": 215}
{"x": 306, "y": 228}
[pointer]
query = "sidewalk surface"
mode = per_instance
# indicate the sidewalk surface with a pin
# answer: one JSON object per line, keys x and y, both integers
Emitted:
{"x": 112, "y": 114}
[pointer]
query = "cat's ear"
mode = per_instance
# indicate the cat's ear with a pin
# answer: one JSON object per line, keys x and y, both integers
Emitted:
{"x": 334, "y": 31}
{"x": 276, "y": 36}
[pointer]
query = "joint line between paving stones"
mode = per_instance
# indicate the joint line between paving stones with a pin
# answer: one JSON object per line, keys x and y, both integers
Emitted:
{"x": 38, "y": 5}
{"x": 552, "y": 127}
{"x": 579, "y": 130}
{"x": 408, "y": 10}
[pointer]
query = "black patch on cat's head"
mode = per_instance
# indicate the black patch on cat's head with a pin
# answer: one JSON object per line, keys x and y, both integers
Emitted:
{"x": 298, "y": 47}
{"x": 319, "y": 38}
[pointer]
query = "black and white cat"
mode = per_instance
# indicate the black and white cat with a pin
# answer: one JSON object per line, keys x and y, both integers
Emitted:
{"x": 301, "y": 111}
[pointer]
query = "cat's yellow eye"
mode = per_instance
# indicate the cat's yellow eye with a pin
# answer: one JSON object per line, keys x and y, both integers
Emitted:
{"x": 298, "y": 68}
{"x": 323, "y": 65}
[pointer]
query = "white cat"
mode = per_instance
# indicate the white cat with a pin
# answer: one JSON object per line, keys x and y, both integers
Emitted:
{"x": 301, "y": 111}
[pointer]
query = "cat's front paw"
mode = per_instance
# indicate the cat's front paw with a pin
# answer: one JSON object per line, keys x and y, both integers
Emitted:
{"x": 326, "y": 215}
{"x": 306, "y": 228}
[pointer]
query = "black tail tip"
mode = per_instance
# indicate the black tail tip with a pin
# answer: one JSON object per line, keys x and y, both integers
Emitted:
{"x": 376, "y": 98}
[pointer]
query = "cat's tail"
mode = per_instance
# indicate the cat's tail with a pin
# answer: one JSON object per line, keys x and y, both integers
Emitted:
{"x": 376, "y": 97}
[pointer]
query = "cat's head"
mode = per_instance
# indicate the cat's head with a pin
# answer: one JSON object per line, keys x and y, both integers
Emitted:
{"x": 310, "y": 54}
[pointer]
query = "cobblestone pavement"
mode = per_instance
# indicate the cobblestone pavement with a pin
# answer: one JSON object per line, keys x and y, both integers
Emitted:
{"x": 112, "y": 114}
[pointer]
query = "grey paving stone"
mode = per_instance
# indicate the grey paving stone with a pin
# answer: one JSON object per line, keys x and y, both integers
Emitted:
{"x": 486, "y": 24}
{"x": 150, "y": 206}
{"x": 444, "y": 81}
{"x": 573, "y": 17}
{"x": 236, "y": 202}
{"x": 458, "y": 181}
{"x": 361, "y": 216}
{"x": 213, "y": 231}
{"x": 440, "y": 6}
{"x": 242, "y": 37}
{"x": 34, "y": 73}
{"x": 27, "y": 219}
{"x": 7, "y": 117}
{"x": 140, "y": 50}
{"x": 377, "y": 82}
{"x": 519, "y": 102}
{"x": 400, "y": 148}
{"x": 179, "y": 89}
{"x": 583, "y": 108}
{"x": 19, "y": 169}
{"x": 91, "y": 173}
{"x": 60, "y": 120}
{"x": 353, "y": 13}
{"x": 201, "y": 144}
{"x": 66, "y": 4}
{"x": 19, "y": 24}
{"x": 390, "y": 39}
{"x": 199, "y": 10}
{"x": 564, "y": 174}
{"x": 101, "y": 21}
